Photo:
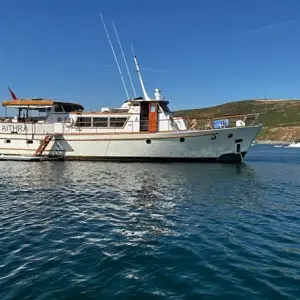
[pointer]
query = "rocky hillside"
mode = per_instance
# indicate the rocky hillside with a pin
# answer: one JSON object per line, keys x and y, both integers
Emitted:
{"x": 281, "y": 118}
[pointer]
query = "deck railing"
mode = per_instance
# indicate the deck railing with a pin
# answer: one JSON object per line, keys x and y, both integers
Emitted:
{"x": 227, "y": 121}
{"x": 172, "y": 124}
{"x": 118, "y": 124}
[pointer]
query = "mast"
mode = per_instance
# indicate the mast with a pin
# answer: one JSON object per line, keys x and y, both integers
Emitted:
{"x": 121, "y": 48}
{"x": 146, "y": 97}
{"x": 114, "y": 54}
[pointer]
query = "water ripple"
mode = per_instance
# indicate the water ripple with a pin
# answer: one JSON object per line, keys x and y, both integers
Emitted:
{"x": 84, "y": 230}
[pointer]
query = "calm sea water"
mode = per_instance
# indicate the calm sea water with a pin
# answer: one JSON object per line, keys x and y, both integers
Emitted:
{"x": 91, "y": 230}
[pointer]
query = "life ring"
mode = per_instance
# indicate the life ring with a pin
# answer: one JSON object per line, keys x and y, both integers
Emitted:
{"x": 69, "y": 122}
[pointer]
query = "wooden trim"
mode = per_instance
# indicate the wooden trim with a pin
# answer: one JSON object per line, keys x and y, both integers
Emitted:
{"x": 27, "y": 102}
{"x": 32, "y": 102}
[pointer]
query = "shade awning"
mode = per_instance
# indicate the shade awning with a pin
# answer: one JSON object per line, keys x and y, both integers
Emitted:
{"x": 26, "y": 103}
{"x": 37, "y": 104}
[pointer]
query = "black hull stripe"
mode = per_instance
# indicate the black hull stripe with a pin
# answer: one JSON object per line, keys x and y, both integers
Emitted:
{"x": 225, "y": 158}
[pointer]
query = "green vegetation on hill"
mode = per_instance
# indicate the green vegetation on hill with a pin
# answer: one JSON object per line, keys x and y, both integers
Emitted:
{"x": 281, "y": 118}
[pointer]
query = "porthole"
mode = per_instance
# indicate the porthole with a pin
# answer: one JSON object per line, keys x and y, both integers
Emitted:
{"x": 59, "y": 119}
{"x": 230, "y": 135}
{"x": 213, "y": 137}
{"x": 182, "y": 139}
{"x": 29, "y": 141}
{"x": 148, "y": 141}
{"x": 7, "y": 141}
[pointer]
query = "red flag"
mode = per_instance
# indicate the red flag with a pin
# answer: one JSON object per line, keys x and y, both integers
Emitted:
{"x": 13, "y": 95}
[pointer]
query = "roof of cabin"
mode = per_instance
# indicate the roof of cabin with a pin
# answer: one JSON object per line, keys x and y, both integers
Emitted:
{"x": 35, "y": 103}
{"x": 142, "y": 100}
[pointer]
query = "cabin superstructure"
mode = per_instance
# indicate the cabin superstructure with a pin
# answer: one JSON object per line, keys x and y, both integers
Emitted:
{"x": 135, "y": 115}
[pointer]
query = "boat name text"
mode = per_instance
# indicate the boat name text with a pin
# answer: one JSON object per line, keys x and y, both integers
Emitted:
{"x": 14, "y": 128}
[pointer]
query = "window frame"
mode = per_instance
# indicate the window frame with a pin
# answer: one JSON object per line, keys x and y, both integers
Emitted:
{"x": 107, "y": 122}
{"x": 79, "y": 122}
{"x": 118, "y": 127}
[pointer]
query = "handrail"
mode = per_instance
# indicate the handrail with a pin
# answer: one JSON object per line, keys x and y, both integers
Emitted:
{"x": 216, "y": 117}
{"x": 190, "y": 124}
{"x": 118, "y": 124}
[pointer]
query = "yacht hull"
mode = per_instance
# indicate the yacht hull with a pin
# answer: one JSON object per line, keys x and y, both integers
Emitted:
{"x": 218, "y": 145}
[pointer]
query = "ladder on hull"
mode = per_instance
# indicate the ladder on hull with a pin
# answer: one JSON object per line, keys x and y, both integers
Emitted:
{"x": 47, "y": 139}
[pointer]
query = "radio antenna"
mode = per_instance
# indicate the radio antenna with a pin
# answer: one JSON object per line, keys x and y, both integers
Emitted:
{"x": 134, "y": 92}
{"x": 114, "y": 54}
{"x": 146, "y": 97}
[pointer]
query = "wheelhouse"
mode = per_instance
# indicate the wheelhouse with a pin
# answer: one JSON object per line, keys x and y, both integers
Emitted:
{"x": 39, "y": 110}
{"x": 135, "y": 115}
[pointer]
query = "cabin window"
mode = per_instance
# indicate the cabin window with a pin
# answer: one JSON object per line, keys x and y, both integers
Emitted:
{"x": 164, "y": 108}
{"x": 42, "y": 113}
{"x": 84, "y": 122}
{"x": 76, "y": 107}
{"x": 153, "y": 108}
{"x": 7, "y": 141}
{"x": 68, "y": 108}
{"x": 100, "y": 122}
{"x": 117, "y": 122}
{"x": 58, "y": 108}
{"x": 29, "y": 141}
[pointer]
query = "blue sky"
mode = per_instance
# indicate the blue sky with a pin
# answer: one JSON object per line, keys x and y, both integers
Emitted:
{"x": 199, "y": 52}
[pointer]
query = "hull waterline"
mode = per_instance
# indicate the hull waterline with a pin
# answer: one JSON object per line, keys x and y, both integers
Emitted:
{"x": 228, "y": 145}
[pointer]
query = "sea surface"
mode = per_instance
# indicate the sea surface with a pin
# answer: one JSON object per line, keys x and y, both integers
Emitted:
{"x": 92, "y": 230}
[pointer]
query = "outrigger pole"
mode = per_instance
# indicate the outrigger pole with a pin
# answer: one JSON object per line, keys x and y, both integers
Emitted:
{"x": 134, "y": 92}
{"x": 114, "y": 54}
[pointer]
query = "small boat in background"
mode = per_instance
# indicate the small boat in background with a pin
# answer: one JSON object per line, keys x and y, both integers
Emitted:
{"x": 295, "y": 144}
